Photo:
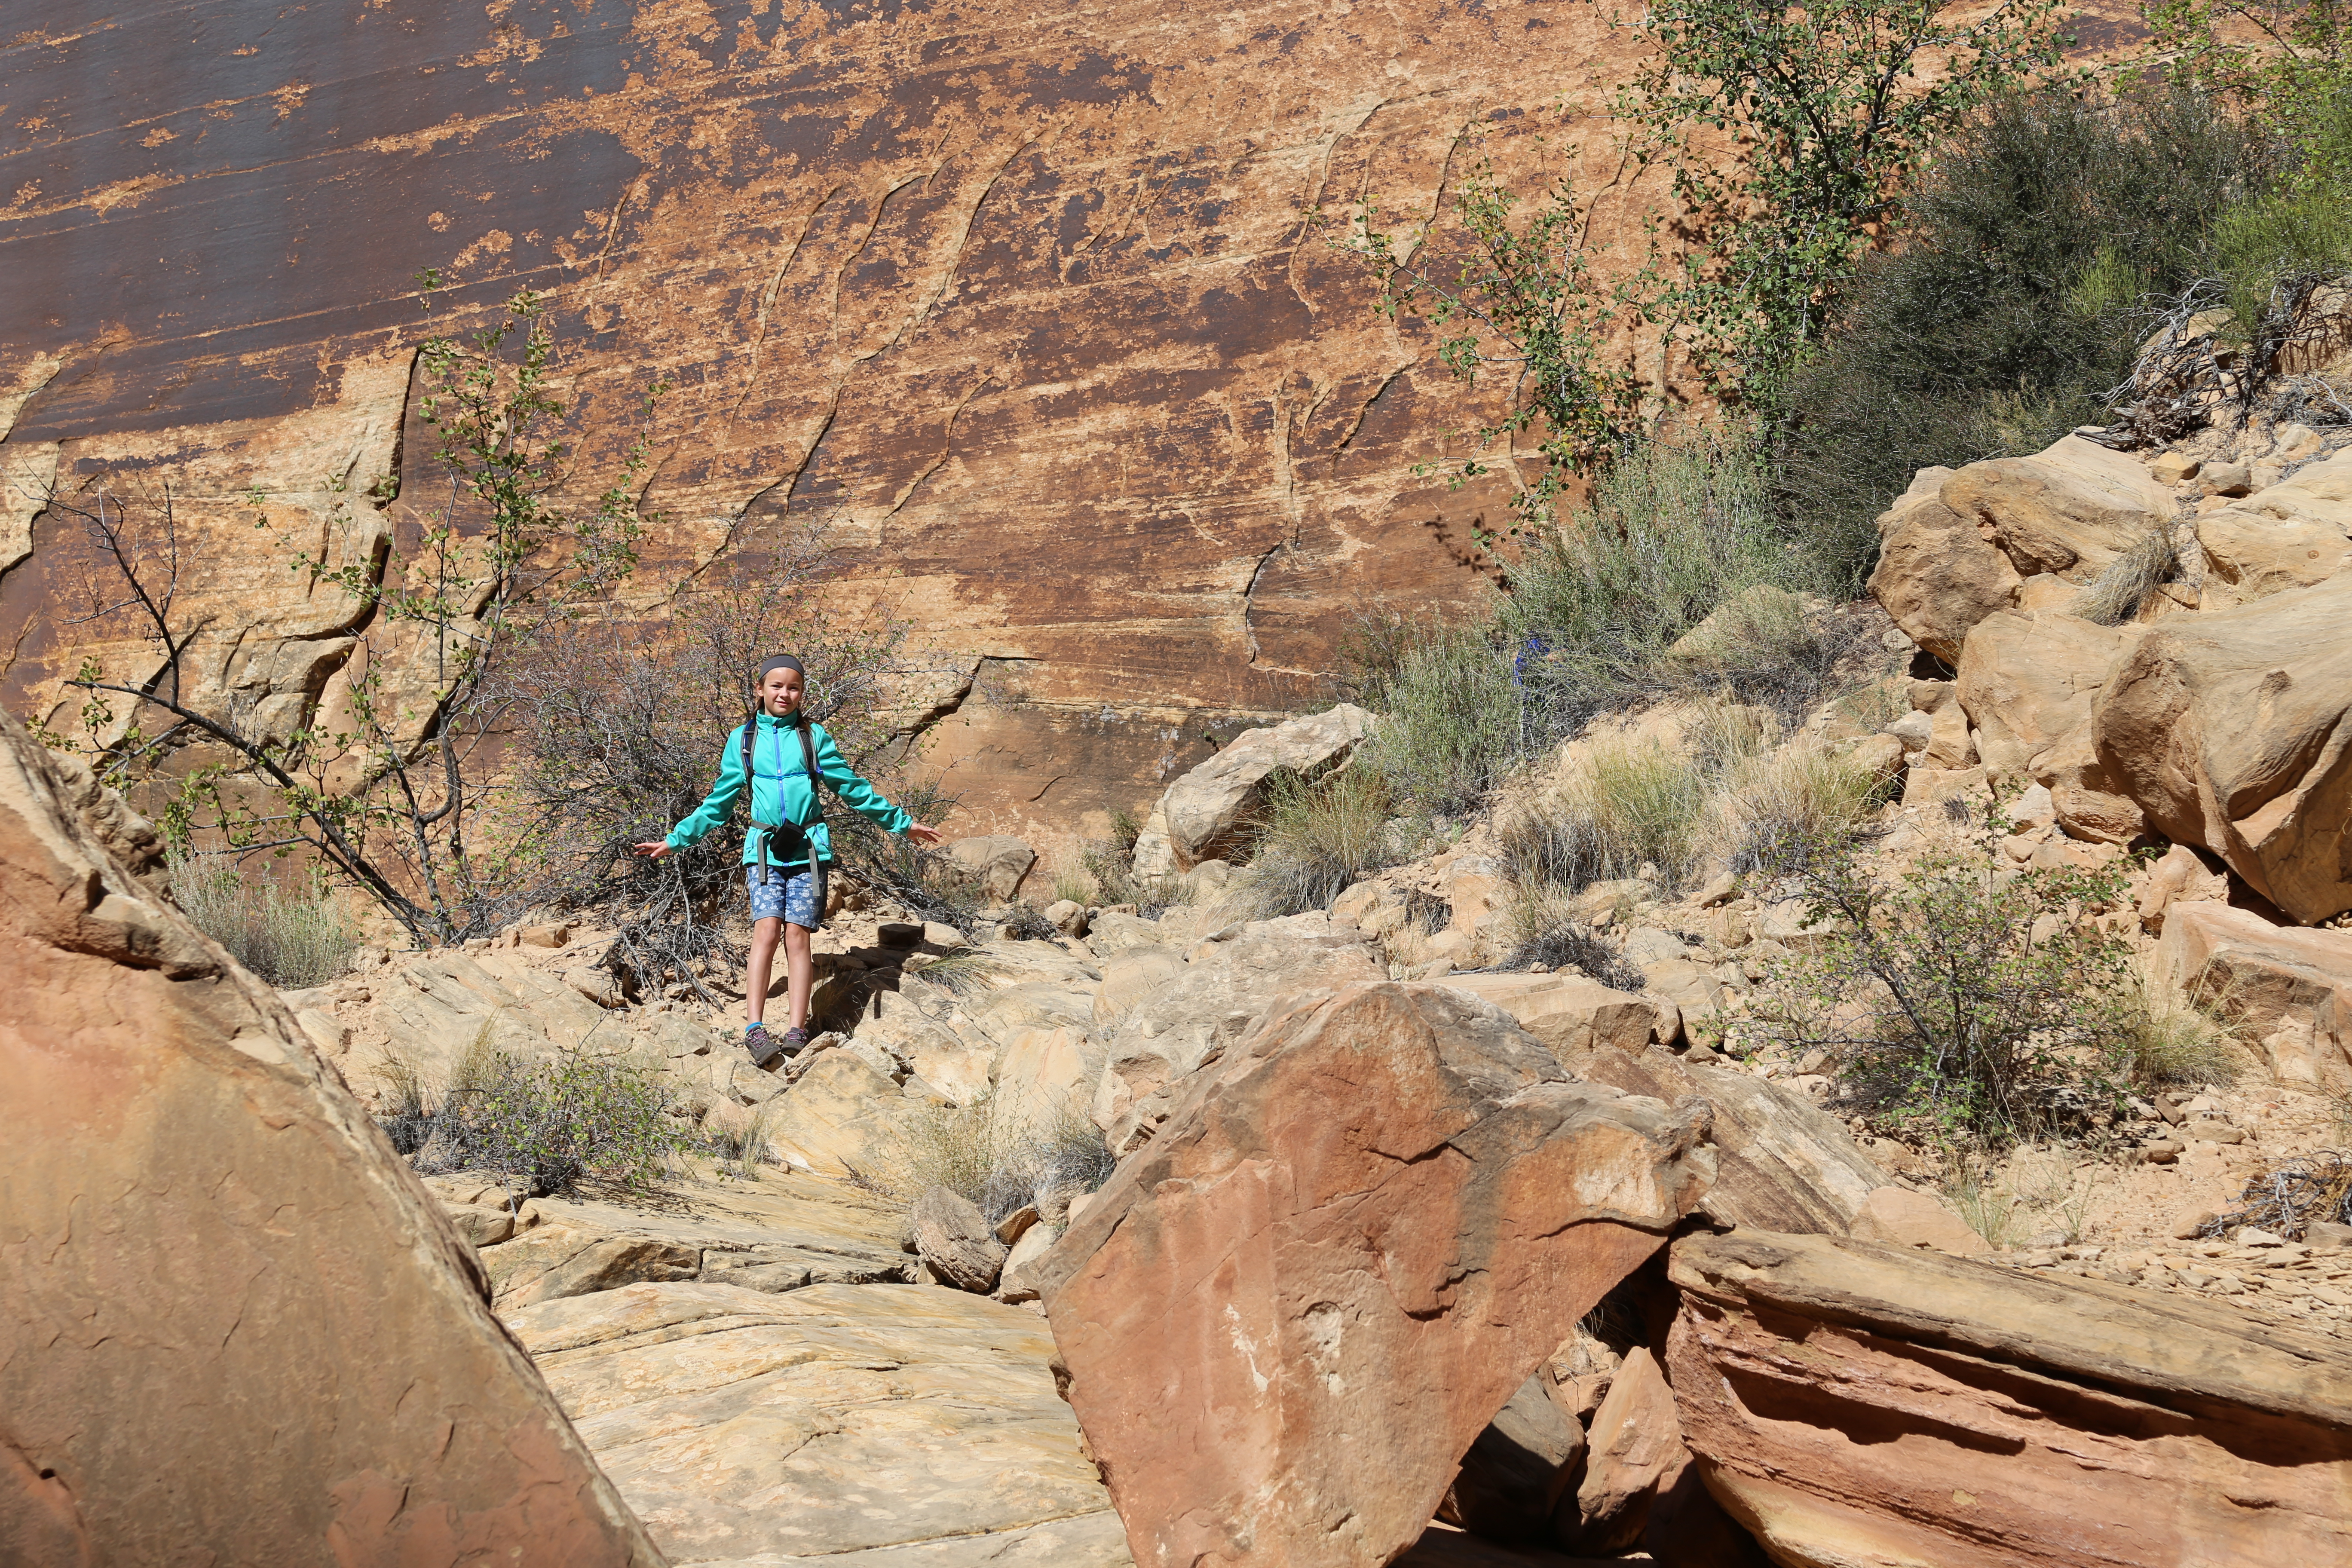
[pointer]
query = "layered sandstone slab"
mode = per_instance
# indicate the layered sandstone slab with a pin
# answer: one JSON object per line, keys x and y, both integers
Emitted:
{"x": 1288, "y": 1316}
{"x": 1852, "y": 1403}
{"x": 889, "y": 1426}
{"x": 238, "y": 1329}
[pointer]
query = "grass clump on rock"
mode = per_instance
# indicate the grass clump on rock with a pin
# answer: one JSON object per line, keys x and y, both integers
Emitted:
{"x": 553, "y": 1125}
{"x": 294, "y": 940}
{"x": 998, "y": 1157}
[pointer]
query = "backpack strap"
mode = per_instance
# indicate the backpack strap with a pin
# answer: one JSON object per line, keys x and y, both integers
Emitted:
{"x": 815, "y": 817}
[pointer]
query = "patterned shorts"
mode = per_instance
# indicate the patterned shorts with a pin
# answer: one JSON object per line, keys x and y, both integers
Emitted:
{"x": 793, "y": 897}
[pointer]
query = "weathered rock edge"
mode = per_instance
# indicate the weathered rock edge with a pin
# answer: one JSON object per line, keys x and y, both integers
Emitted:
{"x": 236, "y": 1328}
{"x": 1287, "y": 1317}
{"x": 1851, "y": 1403}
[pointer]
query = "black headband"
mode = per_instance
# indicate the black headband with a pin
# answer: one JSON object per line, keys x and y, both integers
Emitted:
{"x": 781, "y": 661}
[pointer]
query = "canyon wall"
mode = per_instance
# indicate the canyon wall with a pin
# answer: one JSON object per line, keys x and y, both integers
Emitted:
{"x": 1016, "y": 304}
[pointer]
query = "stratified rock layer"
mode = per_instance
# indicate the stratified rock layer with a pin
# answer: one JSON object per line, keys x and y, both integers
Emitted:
{"x": 1017, "y": 305}
{"x": 1852, "y": 1403}
{"x": 236, "y": 1329}
{"x": 1287, "y": 1317}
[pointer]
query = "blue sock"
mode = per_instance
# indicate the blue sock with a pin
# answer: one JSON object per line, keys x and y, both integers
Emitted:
{"x": 755, "y": 1024}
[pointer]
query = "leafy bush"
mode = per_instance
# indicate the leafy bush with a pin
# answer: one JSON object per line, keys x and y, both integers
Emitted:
{"x": 2031, "y": 249}
{"x": 1962, "y": 998}
{"x": 1315, "y": 841}
{"x": 998, "y": 1156}
{"x": 553, "y": 1124}
{"x": 294, "y": 940}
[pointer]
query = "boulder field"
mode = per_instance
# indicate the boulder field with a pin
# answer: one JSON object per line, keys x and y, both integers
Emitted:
{"x": 1383, "y": 1253}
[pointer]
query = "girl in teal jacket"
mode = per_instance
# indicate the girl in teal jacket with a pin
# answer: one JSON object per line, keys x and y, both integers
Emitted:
{"x": 781, "y": 880}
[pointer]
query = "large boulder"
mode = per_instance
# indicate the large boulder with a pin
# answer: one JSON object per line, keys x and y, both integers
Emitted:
{"x": 2067, "y": 512}
{"x": 1207, "y": 811}
{"x": 2290, "y": 535}
{"x": 2287, "y": 989}
{"x": 1234, "y": 979}
{"x": 1286, "y": 1318}
{"x": 1783, "y": 1162}
{"x": 995, "y": 863}
{"x": 2233, "y": 731}
{"x": 1937, "y": 574}
{"x": 1853, "y": 1404}
{"x": 840, "y": 1424}
{"x": 2028, "y": 683}
{"x": 1574, "y": 1017}
{"x": 239, "y": 1331}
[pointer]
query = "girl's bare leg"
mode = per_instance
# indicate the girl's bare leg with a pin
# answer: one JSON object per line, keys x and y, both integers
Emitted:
{"x": 800, "y": 974}
{"x": 763, "y": 960}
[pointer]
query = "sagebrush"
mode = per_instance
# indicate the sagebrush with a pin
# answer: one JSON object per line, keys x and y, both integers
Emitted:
{"x": 294, "y": 937}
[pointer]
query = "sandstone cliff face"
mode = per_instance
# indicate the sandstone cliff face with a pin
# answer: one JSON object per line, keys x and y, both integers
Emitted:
{"x": 1017, "y": 304}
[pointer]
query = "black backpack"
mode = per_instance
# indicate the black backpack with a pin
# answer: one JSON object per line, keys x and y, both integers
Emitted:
{"x": 793, "y": 837}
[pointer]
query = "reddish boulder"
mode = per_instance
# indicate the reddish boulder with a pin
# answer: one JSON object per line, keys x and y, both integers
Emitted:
{"x": 1286, "y": 1319}
{"x": 239, "y": 1329}
{"x": 1852, "y": 1404}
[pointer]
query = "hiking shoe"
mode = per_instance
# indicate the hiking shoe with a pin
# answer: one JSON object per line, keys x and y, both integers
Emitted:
{"x": 763, "y": 1045}
{"x": 795, "y": 1041}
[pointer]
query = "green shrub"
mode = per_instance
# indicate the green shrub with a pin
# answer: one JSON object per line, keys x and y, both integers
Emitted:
{"x": 553, "y": 1124}
{"x": 1315, "y": 841}
{"x": 1452, "y": 721}
{"x": 1674, "y": 579}
{"x": 1962, "y": 998}
{"x": 294, "y": 940}
{"x": 2017, "y": 297}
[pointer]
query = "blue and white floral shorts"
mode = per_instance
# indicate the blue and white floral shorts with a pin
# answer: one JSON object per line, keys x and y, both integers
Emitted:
{"x": 793, "y": 897}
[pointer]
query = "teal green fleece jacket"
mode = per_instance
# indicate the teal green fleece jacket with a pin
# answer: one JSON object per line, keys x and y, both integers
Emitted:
{"x": 782, "y": 790}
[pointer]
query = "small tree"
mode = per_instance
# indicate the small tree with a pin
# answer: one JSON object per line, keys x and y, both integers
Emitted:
{"x": 396, "y": 803}
{"x": 1830, "y": 109}
{"x": 1962, "y": 998}
{"x": 1514, "y": 293}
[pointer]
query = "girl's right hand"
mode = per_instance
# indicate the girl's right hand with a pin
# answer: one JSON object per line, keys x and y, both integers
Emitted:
{"x": 653, "y": 851}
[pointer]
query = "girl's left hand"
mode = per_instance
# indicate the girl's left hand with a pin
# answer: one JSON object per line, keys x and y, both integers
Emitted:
{"x": 922, "y": 834}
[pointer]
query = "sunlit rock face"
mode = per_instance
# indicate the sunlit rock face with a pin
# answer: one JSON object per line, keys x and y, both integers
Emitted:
{"x": 1018, "y": 306}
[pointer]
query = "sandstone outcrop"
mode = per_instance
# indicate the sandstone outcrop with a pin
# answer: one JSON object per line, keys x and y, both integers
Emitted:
{"x": 1852, "y": 1404}
{"x": 1206, "y": 813}
{"x": 239, "y": 1329}
{"x": 2233, "y": 731}
{"x": 2291, "y": 534}
{"x": 858, "y": 1426}
{"x": 2028, "y": 683}
{"x": 954, "y": 1237}
{"x": 1938, "y": 575}
{"x": 1028, "y": 324}
{"x": 2288, "y": 991}
{"x": 1288, "y": 1316}
{"x": 1187, "y": 1023}
{"x": 994, "y": 863}
{"x": 2067, "y": 512}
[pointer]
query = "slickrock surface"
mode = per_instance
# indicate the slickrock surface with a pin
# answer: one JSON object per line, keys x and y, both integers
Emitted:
{"x": 1287, "y": 1316}
{"x": 1857, "y": 1403}
{"x": 237, "y": 1329}
{"x": 862, "y": 1426}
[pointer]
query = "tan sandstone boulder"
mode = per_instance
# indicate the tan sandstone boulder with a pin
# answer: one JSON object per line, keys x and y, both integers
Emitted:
{"x": 1289, "y": 1315}
{"x": 239, "y": 1330}
{"x": 2067, "y": 510}
{"x": 2028, "y": 683}
{"x": 1574, "y": 1017}
{"x": 1202, "y": 812}
{"x": 993, "y": 862}
{"x": 1852, "y": 1403}
{"x": 2232, "y": 730}
{"x": 2290, "y": 535}
{"x": 1938, "y": 575}
{"x": 2289, "y": 990}
{"x": 843, "y": 1425}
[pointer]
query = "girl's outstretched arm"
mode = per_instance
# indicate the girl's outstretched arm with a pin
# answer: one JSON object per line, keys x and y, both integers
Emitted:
{"x": 863, "y": 797}
{"x": 713, "y": 809}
